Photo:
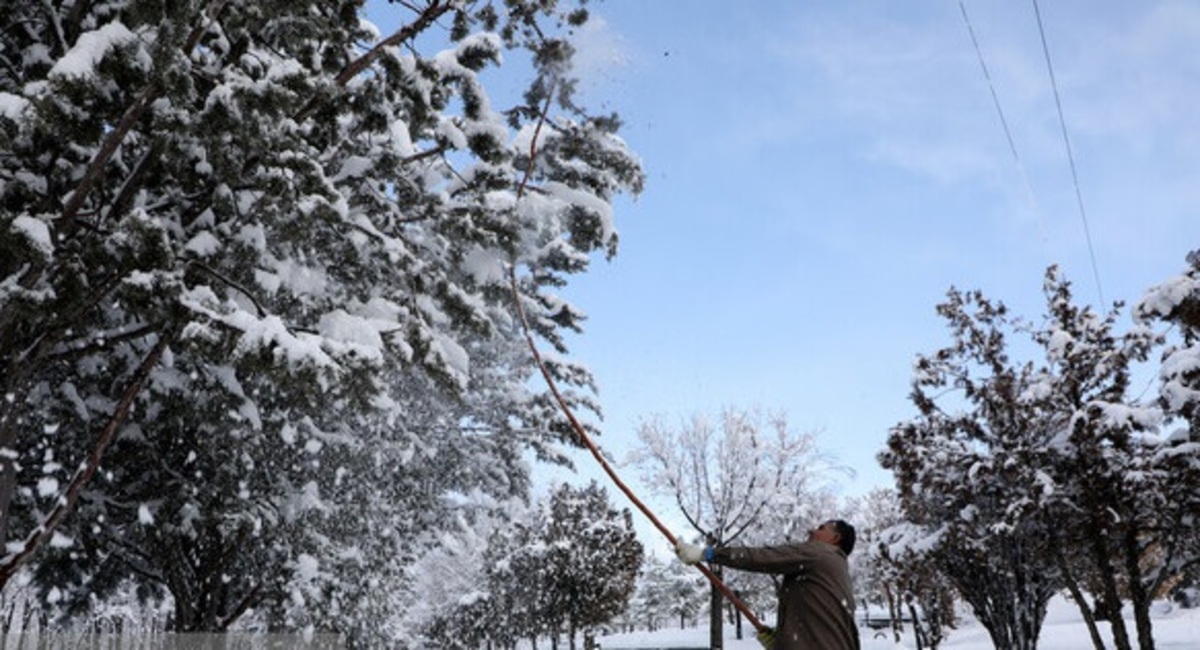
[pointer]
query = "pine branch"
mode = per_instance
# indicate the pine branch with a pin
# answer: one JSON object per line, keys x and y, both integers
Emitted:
{"x": 431, "y": 13}
{"x": 244, "y": 604}
{"x": 95, "y": 168}
{"x": 116, "y": 136}
{"x": 10, "y": 564}
{"x": 101, "y": 342}
{"x": 262, "y": 313}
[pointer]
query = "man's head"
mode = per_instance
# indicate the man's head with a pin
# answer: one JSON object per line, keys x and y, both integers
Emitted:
{"x": 836, "y": 532}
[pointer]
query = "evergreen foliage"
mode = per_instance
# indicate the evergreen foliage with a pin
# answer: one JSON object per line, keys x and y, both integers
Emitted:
{"x": 592, "y": 560}
{"x": 254, "y": 265}
{"x": 570, "y": 568}
{"x": 666, "y": 596}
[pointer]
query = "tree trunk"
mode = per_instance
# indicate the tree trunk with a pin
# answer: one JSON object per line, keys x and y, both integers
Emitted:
{"x": 1085, "y": 610}
{"x": 716, "y": 622}
{"x": 894, "y": 613}
{"x": 918, "y": 631}
{"x": 1139, "y": 596}
{"x": 737, "y": 622}
{"x": 1110, "y": 597}
{"x": 8, "y": 477}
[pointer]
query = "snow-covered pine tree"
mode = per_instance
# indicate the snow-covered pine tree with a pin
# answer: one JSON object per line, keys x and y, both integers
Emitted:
{"x": 262, "y": 250}
{"x": 450, "y": 601}
{"x": 685, "y": 596}
{"x": 592, "y": 559}
{"x": 666, "y": 597}
{"x": 566, "y": 567}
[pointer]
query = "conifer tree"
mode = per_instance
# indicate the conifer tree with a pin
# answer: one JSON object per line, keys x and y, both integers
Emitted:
{"x": 592, "y": 559}
{"x": 666, "y": 597}
{"x": 566, "y": 567}
{"x": 255, "y": 303}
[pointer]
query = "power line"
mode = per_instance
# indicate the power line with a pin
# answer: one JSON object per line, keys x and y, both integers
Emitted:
{"x": 1070, "y": 155}
{"x": 991, "y": 86}
{"x": 1012, "y": 145}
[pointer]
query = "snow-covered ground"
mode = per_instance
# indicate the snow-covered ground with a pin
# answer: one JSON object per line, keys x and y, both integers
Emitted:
{"x": 1174, "y": 629}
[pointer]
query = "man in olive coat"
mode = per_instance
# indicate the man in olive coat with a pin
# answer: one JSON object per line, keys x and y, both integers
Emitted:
{"x": 816, "y": 598}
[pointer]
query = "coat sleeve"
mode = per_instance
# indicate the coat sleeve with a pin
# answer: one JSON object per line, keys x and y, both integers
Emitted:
{"x": 783, "y": 559}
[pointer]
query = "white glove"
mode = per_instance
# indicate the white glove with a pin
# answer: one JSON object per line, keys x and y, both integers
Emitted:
{"x": 689, "y": 553}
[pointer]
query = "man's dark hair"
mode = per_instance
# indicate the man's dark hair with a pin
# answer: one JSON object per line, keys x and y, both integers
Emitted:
{"x": 846, "y": 536}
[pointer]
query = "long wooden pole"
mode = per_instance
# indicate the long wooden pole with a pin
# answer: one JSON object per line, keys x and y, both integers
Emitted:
{"x": 566, "y": 409}
{"x": 608, "y": 469}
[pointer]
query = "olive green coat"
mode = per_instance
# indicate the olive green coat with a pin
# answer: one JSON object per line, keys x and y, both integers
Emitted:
{"x": 816, "y": 598}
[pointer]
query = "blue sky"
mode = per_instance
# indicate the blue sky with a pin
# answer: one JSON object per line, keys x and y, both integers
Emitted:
{"x": 820, "y": 173}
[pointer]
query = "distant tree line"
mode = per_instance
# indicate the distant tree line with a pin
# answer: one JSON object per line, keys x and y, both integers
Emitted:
{"x": 568, "y": 569}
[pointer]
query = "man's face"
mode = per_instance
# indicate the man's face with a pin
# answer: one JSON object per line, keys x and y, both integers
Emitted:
{"x": 826, "y": 532}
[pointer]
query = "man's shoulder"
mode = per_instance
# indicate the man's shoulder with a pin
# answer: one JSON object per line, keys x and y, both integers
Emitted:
{"x": 824, "y": 549}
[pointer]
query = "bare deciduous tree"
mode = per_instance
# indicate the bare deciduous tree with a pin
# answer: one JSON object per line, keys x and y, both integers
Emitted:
{"x": 745, "y": 475}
